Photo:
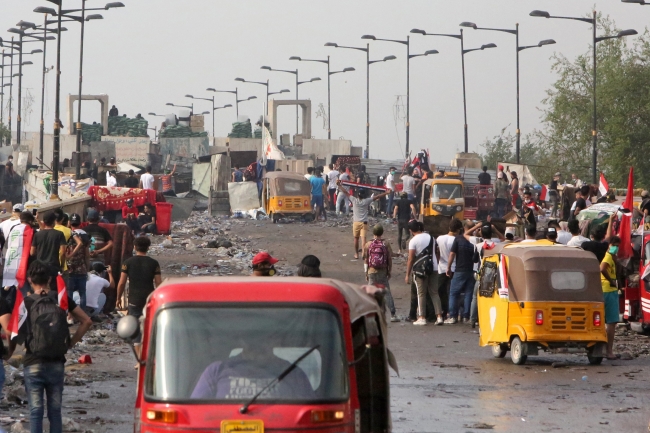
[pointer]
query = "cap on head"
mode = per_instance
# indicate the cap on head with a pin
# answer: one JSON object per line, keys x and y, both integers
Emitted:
{"x": 98, "y": 267}
{"x": 93, "y": 216}
{"x": 75, "y": 219}
{"x": 645, "y": 194}
{"x": 500, "y": 167}
{"x": 558, "y": 174}
{"x": 403, "y": 194}
{"x": 263, "y": 257}
{"x": 18, "y": 207}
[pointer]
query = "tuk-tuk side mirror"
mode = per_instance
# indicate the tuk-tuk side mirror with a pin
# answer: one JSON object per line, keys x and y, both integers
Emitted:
{"x": 128, "y": 328}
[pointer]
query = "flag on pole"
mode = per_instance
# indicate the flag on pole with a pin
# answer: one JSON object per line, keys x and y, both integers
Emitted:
{"x": 544, "y": 195}
{"x": 18, "y": 315}
{"x": 503, "y": 278}
{"x": 271, "y": 150}
{"x": 62, "y": 292}
{"x": 625, "y": 228}
{"x": 17, "y": 256}
{"x": 603, "y": 186}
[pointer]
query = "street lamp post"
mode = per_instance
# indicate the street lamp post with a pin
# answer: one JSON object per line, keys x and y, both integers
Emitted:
{"x": 209, "y": 100}
{"x": 191, "y": 107}
{"x": 639, "y": 2}
{"x": 54, "y": 194}
{"x": 517, "y": 50}
{"x": 268, "y": 68}
{"x": 368, "y": 63}
{"x": 260, "y": 83}
{"x": 595, "y": 39}
{"x": 234, "y": 92}
{"x": 219, "y": 108}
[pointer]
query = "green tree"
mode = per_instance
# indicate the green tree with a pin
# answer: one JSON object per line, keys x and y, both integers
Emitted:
{"x": 5, "y": 134}
{"x": 623, "y": 98}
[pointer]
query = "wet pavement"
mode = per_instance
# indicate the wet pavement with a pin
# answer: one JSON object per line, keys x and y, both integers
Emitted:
{"x": 447, "y": 382}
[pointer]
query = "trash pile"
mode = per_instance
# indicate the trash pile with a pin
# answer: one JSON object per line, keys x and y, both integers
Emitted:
{"x": 92, "y": 132}
{"x": 180, "y": 131}
{"x": 121, "y": 126}
{"x": 242, "y": 130}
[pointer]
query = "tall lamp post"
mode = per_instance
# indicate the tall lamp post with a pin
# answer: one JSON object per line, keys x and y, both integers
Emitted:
{"x": 260, "y": 83}
{"x": 219, "y": 108}
{"x": 368, "y": 63}
{"x": 639, "y": 2}
{"x": 11, "y": 76}
{"x": 463, "y": 51}
{"x": 268, "y": 68}
{"x": 209, "y": 100}
{"x": 234, "y": 92}
{"x": 595, "y": 39}
{"x": 517, "y": 50}
{"x": 191, "y": 107}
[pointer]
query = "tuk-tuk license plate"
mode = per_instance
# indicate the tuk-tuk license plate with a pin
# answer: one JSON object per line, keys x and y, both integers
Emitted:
{"x": 237, "y": 426}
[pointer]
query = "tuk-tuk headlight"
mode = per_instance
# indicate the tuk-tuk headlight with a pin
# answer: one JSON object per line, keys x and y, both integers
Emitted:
{"x": 459, "y": 208}
{"x": 318, "y": 416}
{"x": 438, "y": 208}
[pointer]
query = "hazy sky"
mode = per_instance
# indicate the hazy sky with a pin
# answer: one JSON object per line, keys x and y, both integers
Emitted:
{"x": 154, "y": 52}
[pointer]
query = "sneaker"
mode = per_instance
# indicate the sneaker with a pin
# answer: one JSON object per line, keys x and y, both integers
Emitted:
{"x": 410, "y": 319}
{"x": 420, "y": 322}
{"x": 393, "y": 318}
{"x": 439, "y": 321}
{"x": 451, "y": 321}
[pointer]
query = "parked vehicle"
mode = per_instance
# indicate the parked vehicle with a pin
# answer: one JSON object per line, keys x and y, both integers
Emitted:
{"x": 286, "y": 195}
{"x": 442, "y": 199}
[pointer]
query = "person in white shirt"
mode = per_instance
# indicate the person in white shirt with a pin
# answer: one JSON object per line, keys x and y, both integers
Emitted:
{"x": 563, "y": 235}
{"x": 444, "y": 246}
{"x": 577, "y": 239}
{"x": 310, "y": 173}
{"x": 110, "y": 178}
{"x": 390, "y": 184}
{"x": 8, "y": 224}
{"x": 341, "y": 199}
{"x": 419, "y": 243}
{"x": 146, "y": 180}
{"x": 409, "y": 183}
{"x": 332, "y": 177}
{"x": 95, "y": 298}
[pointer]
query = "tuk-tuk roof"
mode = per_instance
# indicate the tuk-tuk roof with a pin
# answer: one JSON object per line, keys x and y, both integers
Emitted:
{"x": 530, "y": 266}
{"x": 266, "y": 289}
{"x": 445, "y": 180}
{"x": 284, "y": 175}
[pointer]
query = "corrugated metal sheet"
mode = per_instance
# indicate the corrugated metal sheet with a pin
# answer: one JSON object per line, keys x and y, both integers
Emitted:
{"x": 379, "y": 167}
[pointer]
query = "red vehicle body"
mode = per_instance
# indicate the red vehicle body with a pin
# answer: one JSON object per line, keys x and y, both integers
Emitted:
{"x": 636, "y": 307}
{"x": 191, "y": 325}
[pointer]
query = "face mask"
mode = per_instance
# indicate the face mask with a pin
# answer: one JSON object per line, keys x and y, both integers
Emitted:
{"x": 527, "y": 200}
{"x": 613, "y": 250}
{"x": 392, "y": 172}
{"x": 269, "y": 272}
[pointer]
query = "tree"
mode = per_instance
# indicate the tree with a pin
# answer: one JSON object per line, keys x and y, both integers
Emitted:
{"x": 623, "y": 106}
{"x": 5, "y": 134}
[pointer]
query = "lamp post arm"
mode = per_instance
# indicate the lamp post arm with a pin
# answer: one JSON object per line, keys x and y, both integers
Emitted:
{"x": 393, "y": 40}
{"x": 512, "y": 32}
{"x": 585, "y": 20}
{"x": 353, "y": 48}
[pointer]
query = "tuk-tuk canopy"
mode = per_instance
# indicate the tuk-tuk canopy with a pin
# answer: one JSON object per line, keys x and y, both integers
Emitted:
{"x": 287, "y": 183}
{"x": 538, "y": 272}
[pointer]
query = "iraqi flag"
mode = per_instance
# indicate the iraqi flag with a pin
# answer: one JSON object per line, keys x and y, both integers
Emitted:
{"x": 603, "y": 186}
{"x": 625, "y": 228}
{"x": 17, "y": 256}
{"x": 62, "y": 292}
{"x": 503, "y": 278}
{"x": 544, "y": 195}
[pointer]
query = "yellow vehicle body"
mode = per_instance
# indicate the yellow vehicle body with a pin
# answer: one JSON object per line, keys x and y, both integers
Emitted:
{"x": 286, "y": 195}
{"x": 442, "y": 199}
{"x": 544, "y": 297}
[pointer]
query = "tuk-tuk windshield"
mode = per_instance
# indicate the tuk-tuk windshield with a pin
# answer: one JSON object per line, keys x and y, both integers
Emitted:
{"x": 292, "y": 187}
{"x": 443, "y": 191}
{"x": 229, "y": 354}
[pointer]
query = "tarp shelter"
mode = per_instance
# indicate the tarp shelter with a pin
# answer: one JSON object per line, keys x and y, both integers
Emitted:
{"x": 523, "y": 173}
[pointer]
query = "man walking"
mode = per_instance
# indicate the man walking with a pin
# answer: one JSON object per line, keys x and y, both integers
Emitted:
{"x": 501, "y": 195}
{"x": 146, "y": 180}
{"x": 360, "y": 211}
{"x": 404, "y": 211}
{"x": 317, "y": 186}
{"x": 131, "y": 181}
{"x": 341, "y": 199}
{"x": 48, "y": 246}
{"x": 143, "y": 274}
{"x": 422, "y": 269}
{"x": 390, "y": 184}
{"x": 100, "y": 239}
{"x": 463, "y": 254}
{"x": 378, "y": 264}
{"x": 332, "y": 177}
{"x": 444, "y": 246}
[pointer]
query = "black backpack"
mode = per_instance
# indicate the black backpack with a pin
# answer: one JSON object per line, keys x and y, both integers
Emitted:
{"x": 423, "y": 265}
{"x": 49, "y": 333}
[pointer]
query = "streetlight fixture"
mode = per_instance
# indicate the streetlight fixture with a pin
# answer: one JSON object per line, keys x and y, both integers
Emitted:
{"x": 235, "y": 92}
{"x": 191, "y": 107}
{"x": 208, "y": 112}
{"x": 262, "y": 83}
{"x": 463, "y": 51}
{"x": 268, "y": 68}
{"x": 595, "y": 39}
{"x": 281, "y": 91}
{"x": 329, "y": 74}
{"x": 368, "y": 63}
{"x": 518, "y": 48}
{"x": 639, "y": 2}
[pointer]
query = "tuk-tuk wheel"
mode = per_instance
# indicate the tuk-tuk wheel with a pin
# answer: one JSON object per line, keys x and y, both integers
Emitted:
{"x": 499, "y": 351}
{"x": 517, "y": 351}
{"x": 594, "y": 360}
{"x": 274, "y": 218}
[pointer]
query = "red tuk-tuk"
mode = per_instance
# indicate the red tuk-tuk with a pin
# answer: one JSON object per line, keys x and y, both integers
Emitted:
{"x": 249, "y": 354}
{"x": 636, "y": 307}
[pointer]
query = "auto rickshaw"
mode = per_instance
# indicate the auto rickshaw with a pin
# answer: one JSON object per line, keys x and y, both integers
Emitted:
{"x": 536, "y": 296}
{"x": 442, "y": 200}
{"x": 249, "y": 354}
{"x": 286, "y": 195}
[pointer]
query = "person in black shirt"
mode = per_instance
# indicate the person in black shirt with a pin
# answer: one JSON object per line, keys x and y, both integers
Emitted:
{"x": 143, "y": 274}
{"x": 485, "y": 178}
{"x": 404, "y": 208}
{"x": 578, "y": 205}
{"x": 131, "y": 181}
{"x": 100, "y": 239}
{"x": 147, "y": 219}
{"x": 462, "y": 281}
{"x": 554, "y": 196}
{"x": 49, "y": 245}
{"x": 599, "y": 243}
{"x": 45, "y": 374}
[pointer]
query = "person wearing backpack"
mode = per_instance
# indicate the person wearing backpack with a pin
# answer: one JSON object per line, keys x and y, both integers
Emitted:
{"x": 422, "y": 269}
{"x": 44, "y": 332}
{"x": 378, "y": 264}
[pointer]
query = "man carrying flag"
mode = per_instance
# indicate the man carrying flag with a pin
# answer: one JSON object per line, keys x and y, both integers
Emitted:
{"x": 39, "y": 322}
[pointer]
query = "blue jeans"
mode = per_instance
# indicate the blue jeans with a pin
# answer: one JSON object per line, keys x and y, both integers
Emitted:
{"x": 2, "y": 378}
{"x": 462, "y": 282}
{"x": 46, "y": 377}
{"x": 77, "y": 283}
{"x": 500, "y": 204}
{"x": 389, "y": 208}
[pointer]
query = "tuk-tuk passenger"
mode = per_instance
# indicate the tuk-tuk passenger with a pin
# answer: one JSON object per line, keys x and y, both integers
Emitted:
{"x": 610, "y": 293}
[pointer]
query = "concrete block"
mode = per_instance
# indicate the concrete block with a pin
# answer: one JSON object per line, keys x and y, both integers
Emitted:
{"x": 196, "y": 121}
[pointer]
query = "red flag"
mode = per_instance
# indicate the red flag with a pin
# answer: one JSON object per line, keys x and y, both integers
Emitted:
{"x": 603, "y": 187}
{"x": 18, "y": 316}
{"x": 625, "y": 229}
{"x": 544, "y": 196}
{"x": 62, "y": 292}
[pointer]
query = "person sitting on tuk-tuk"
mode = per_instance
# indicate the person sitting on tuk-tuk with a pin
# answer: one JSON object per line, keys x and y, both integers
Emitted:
{"x": 243, "y": 376}
{"x": 263, "y": 265}
{"x": 610, "y": 293}
{"x": 309, "y": 267}
{"x": 551, "y": 234}
{"x": 531, "y": 233}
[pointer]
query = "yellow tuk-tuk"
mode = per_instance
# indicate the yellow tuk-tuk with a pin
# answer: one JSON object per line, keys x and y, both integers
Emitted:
{"x": 538, "y": 296}
{"x": 442, "y": 200}
{"x": 286, "y": 195}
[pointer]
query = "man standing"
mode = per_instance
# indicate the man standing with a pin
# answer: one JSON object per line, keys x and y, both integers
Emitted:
{"x": 114, "y": 112}
{"x": 501, "y": 195}
{"x": 341, "y": 199}
{"x": 78, "y": 256}
{"x": 146, "y": 180}
{"x": 360, "y": 210}
{"x": 609, "y": 283}
{"x": 554, "y": 195}
{"x": 378, "y": 264}
{"x": 408, "y": 184}
{"x": 131, "y": 181}
{"x": 514, "y": 188}
{"x": 363, "y": 177}
{"x": 166, "y": 179}
{"x": 310, "y": 173}
{"x": 100, "y": 239}
{"x": 404, "y": 211}
{"x": 237, "y": 175}
{"x": 390, "y": 184}
{"x": 332, "y": 177}
{"x": 143, "y": 274}
{"x": 444, "y": 246}
{"x": 44, "y": 331}
{"x": 485, "y": 178}
{"x": 48, "y": 246}
{"x": 463, "y": 254}
{"x": 8, "y": 224}
{"x": 576, "y": 181}
{"x": 317, "y": 186}
{"x": 578, "y": 205}
{"x": 422, "y": 269}
{"x": 563, "y": 235}
{"x": 111, "y": 181}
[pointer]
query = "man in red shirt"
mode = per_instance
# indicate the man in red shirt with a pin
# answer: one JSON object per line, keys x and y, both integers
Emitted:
{"x": 166, "y": 180}
{"x": 130, "y": 216}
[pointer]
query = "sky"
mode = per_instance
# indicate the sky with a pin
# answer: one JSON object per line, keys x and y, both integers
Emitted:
{"x": 154, "y": 52}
